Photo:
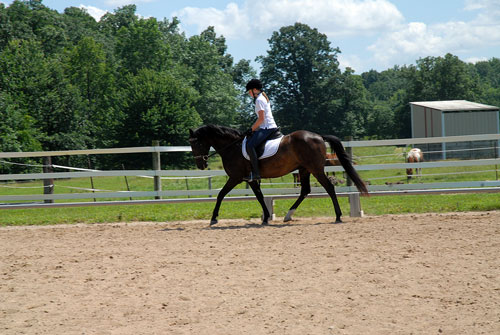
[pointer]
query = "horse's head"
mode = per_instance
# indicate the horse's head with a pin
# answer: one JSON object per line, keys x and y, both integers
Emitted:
{"x": 200, "y": 150}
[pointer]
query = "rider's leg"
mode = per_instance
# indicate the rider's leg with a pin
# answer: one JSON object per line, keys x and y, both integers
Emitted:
{"x": 254, "y": 162}
{"x": 255, "y": 140}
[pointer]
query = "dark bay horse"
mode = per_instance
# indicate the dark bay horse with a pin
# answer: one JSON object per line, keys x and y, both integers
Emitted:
{"x": 302, "y": 150}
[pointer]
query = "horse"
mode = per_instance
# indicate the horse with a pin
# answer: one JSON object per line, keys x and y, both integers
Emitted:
{"x": 302, "y": 150}
{"x": 415, "y": 155}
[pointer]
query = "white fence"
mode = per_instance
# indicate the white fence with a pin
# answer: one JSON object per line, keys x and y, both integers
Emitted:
{"x": 19, "y": 201}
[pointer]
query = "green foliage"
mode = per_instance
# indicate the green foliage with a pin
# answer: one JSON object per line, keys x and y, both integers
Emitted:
{"x": 69, "y": 82}
{"x": 156, "y": 106}
{"x": 17, "y": 132}
{"x": 140, "y": 46}
{"x": 212, "y": 78}
{"x": 302, "y": 77}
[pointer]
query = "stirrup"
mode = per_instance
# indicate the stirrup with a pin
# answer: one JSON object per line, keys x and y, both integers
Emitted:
{"x": 252, "y": 178}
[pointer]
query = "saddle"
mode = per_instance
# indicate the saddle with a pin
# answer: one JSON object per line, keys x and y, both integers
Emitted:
{"x": 268, "y": 148}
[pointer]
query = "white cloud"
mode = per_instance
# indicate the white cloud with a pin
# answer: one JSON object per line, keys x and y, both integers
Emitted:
{"x": 352, "y": 61}
{"x": 230, "y": 22}
{"x": 95, "y": 12}
{"x": 120, "y": 3}
{"x": 490, "y": 5}
{"x": 259, "y": 18}
{"x": 417, "y": 39}
{"x": 474, "y": 60}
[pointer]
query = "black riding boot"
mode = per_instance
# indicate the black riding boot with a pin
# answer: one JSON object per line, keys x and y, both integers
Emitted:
{"x": 254, "y": 163}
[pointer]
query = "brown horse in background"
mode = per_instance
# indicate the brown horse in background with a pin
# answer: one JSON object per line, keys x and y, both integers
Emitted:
{"x": 302, "y": 150}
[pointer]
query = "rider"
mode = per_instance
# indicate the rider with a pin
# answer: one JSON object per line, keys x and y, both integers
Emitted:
{"x": 262, "y": 128}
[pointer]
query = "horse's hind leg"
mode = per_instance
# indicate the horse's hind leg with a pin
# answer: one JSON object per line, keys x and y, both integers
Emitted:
{"x": 305, "y": 183}
{"x": 323, "y": 180}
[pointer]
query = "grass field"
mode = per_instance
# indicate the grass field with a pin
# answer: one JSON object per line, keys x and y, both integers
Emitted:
{"x": 376, "y": 205}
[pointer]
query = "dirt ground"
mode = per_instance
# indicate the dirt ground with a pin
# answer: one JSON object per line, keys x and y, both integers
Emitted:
{"x": 397, "y": 274}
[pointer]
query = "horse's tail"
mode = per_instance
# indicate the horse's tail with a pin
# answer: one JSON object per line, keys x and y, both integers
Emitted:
{"x": 344, "y": 159}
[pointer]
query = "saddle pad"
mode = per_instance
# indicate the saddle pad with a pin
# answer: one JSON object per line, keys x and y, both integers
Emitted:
{"x": 270, "y": 149}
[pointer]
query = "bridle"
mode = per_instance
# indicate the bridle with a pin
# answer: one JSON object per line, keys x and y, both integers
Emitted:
{"x": 206, "y": 157}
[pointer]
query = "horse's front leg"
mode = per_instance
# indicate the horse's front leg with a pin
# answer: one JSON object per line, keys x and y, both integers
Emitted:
{"x": 255, "y": 185}
{"x": 230, "y": 184}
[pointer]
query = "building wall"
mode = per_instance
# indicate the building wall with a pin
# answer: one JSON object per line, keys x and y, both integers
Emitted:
{"x": 426, "y": 122}
{"x": 471, "y": 123}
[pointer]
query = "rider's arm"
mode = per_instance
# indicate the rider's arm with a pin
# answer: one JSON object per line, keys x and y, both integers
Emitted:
{"x": 259, "y": 121}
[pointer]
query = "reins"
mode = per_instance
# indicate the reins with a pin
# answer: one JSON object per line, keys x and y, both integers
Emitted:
{"x": 206, "y": 157}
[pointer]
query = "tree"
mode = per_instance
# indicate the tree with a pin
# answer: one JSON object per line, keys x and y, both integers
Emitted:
{"x": 17, "y": 20}
{"x": 302, "y": 76}
{"x": 79, "y": 24}
{"x": 89, "y": 71}
{"x": 17, "y": 132}
{"x": 38, "y": 85}
{"x": 141, "y": 45}
{"x": 32, "y": 20}
{"x": 5, "y": 26}
{"x": 217, "y": 102}
{"x": 381, "y": 86}
{"x": 489, "y": 73}
{"x": 442, "y": 78}
{"x": 353, "y": 111}
{"x": 156, "y": 106}
{"x": 125, "y": 16}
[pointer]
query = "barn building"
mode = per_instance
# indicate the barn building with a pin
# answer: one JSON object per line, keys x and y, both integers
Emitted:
{"x": 455, "y": 118}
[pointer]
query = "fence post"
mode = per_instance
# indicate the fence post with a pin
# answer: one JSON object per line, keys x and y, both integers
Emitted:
{"x": 354, "y": 198}
{"x": 48, "y": 184}
{"x": 157, "y": 167}
{"x": 355, "y": 205}
{"x": 269, "y": 201}
{"x": 91, "y": 179}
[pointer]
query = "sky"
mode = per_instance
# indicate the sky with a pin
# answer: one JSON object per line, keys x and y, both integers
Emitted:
{"x": 371, "y": 34}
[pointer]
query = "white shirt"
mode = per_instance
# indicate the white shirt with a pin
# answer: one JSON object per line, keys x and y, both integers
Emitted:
{"x": 261, "y": 103}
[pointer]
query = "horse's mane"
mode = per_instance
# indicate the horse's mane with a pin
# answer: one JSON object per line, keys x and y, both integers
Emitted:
{"x": 211, "y": 130}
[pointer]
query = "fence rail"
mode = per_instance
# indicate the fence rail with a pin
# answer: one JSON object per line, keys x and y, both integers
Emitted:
{"x": 239, "y": 194}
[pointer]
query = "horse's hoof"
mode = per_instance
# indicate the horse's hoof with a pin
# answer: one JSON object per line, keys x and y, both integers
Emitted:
{"x": 288, "y": 216}
{"x": 339, "y": 221}
{"x": 265, "y": 223}
{"x": 213, "y": 222}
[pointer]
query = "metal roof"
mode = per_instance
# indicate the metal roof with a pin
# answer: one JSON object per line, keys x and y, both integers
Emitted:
{"x": 455, "y": 105}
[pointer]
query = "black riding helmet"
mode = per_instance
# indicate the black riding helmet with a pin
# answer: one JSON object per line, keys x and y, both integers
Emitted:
{"x": 254, "y": 83}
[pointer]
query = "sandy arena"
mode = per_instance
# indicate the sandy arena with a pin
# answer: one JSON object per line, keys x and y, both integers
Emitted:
{"x": 398, "y": 274}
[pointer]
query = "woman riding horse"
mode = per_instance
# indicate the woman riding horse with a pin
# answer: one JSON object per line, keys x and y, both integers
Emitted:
{"x": 302, "y": 150}
{"x": 262, "y": 128}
